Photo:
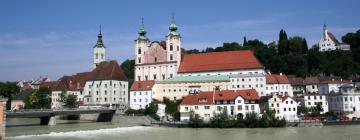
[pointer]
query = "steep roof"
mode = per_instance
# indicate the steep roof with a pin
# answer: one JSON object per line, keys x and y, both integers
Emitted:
{"x": 108, "y": 70}
{"x": 142, "y": 85}
{"x": 219, "y": 61}
{"x": 277, "y": 79}
{"x": 333, "y": 38}
{"x": 207, "y": 97}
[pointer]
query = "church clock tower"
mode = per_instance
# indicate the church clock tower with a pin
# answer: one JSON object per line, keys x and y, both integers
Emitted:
{"x": 99, "y": 51}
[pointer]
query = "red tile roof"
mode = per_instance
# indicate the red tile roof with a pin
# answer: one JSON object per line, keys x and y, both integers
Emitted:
{"x": 192, "y": 99}
{"x": 219, "y": 61}
{"x": 51, "y": 84}
{"x": 142, "y": 85}
{"x": 333, "y": 38}
{"x": 277, "y": 79}
{"x": 107, "y": 70}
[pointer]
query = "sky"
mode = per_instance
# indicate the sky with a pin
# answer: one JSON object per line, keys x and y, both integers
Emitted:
{"x": 55, "y": 37}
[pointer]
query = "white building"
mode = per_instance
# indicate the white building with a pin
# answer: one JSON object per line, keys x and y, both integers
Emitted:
{"x": 141, "y": 94}
{"x": 329, "y": 42}
{"x": 206, "y": 104}
{"x": 107, "y": 86}
{"x": 347, "y": 102}
{"x": 278, "y": 84}
{"x": 311, "y": 100}
{"x": 157, "y": 60}
{"x": 331, "y": 86}
{"x": 249, "y": 81}
{"x": 284, "y": 107}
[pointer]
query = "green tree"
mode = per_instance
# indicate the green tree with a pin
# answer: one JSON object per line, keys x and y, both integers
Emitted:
{"x": 8, "y": 90}
{"x": 195, "y": 120}
{"x": 44, "y": 98}
{"x": 245, "y": 41}
{"x": 71, "y": 101}
{"x": 252, "y": 120}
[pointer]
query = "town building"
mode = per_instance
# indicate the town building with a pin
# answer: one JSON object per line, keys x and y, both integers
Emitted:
{"x": 329, "y": 42}
{"x": 311, "y": 85}
{"x": 157, "y": 60}
{"x": 278, "y": 84}
{"x": 284, "y": 107}
{"x": 331, "y": 86}
{"x": 310, "y": 100}
{"x": 249, "y": 81}
{"x": 347, "y": 101}
{"x": 141, "y": 94}
{"x": 107, "y": 86}
{"x": 206, "y": 104}
{"x": 298, "y": 85}
{"x": 180, "y": 86}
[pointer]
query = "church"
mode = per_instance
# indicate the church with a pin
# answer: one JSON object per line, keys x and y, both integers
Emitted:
{"x": 157, "y": 60}
{"x": 329, "y": 42}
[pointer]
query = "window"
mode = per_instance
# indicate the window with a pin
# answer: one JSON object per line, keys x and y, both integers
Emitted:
{"x": 163, "y": 76}
{"x": 171, "y": 57}
{"x": 246, "y": 107}
{"x": 207, "y": 107}
{"x": 196, "y": 107}
{"x": 186, "y": 108}
{"x": 139, "y": 60}
{"x": 155, "y": 59}
{"x": 284, "y": 109}
{"x": 105, "y": 85}
{"x": 239, "y": 101}
{"x": 252, "y": 107}
{"x": 171, "y": 47}
{"x": 105, "y": 99}
{"x": 171, "y": 75}
{"x": 240, "y": 107}
{"x": 102, "y": 56}
{"x": 287, "y": 102}
{"x": 139, "y": 51}
{"x": 146, "y": 77}
{"x": 134, "y": 100}
{"x": 154, "y": 76}
{"x": 139, "y": 79}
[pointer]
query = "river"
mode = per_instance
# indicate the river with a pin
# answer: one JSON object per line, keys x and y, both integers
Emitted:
{"x": 73, "y": 130}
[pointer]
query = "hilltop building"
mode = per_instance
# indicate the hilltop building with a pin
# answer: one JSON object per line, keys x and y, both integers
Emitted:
{"x": 329, "y": 42}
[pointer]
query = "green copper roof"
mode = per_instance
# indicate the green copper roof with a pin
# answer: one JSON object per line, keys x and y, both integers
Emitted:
{"x": 193, "y": 79}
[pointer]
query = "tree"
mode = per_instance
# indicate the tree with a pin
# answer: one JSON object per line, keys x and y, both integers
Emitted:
{"x": 8, "y": 90}
{"x": 38, "y": 99}
{"x": 71, "y": 101}
{"x": 304, "y": 46}
{"x": 283, "y": 46}
{"x": 195, "y": 120}
{"x": 252, "y": 120}
{"x": 245, "y": 41}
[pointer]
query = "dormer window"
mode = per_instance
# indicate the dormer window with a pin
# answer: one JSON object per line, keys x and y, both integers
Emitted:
{"x": 202, "y": 100}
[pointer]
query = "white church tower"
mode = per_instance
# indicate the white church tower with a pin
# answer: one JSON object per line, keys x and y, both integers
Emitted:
{"x": 99, "y": 50}
{"x": 141, "y": 44}
{"x": 173, "y": 43}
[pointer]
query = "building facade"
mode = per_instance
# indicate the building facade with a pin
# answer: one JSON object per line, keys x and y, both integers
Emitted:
{"x": 141, "y": 94}
{"x": 278, "y": 85}
{"x": 206, "y": 104}
{"x": 284, "y": 107}
{"x": 310, "y": 101}
{"x": 157, "y": 60}
{"x": 347, "y": 102}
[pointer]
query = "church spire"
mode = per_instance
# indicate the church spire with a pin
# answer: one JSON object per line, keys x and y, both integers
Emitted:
{"x": 142, "y": 32}
{"x": 173, "y": 28}
{"x": 99, "y": 42}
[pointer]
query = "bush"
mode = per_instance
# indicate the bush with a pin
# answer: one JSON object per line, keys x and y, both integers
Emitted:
{"x": 195, "y": 120}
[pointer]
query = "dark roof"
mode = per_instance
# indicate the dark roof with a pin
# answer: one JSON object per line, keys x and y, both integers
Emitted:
{"x": 297, "y": 81}
{"x": 108, "y": 70}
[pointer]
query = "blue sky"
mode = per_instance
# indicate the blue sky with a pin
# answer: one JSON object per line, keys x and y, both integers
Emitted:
{"x": 55, "y": 38}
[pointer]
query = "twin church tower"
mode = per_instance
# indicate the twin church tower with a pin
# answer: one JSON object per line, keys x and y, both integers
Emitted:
{"x": 154, "y": 60}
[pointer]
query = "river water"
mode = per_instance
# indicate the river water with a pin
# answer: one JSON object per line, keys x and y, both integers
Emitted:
{"x": 67, "y": 130}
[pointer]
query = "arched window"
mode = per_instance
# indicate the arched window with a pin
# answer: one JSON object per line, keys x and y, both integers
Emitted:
{"x": 171, "y": 47}
{"x": 139, "y": 51}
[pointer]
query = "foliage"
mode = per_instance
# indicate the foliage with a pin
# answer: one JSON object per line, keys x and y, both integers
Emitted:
{"x": 8, "y": 90}
{"x": 222, "y": 120}
{"x": 150, "y": 110}
{"x": 195, "y": 120}
{"x": 71, "y": 101}
{"x": 39, "y": 99}
{"x": 172, "y": 107}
